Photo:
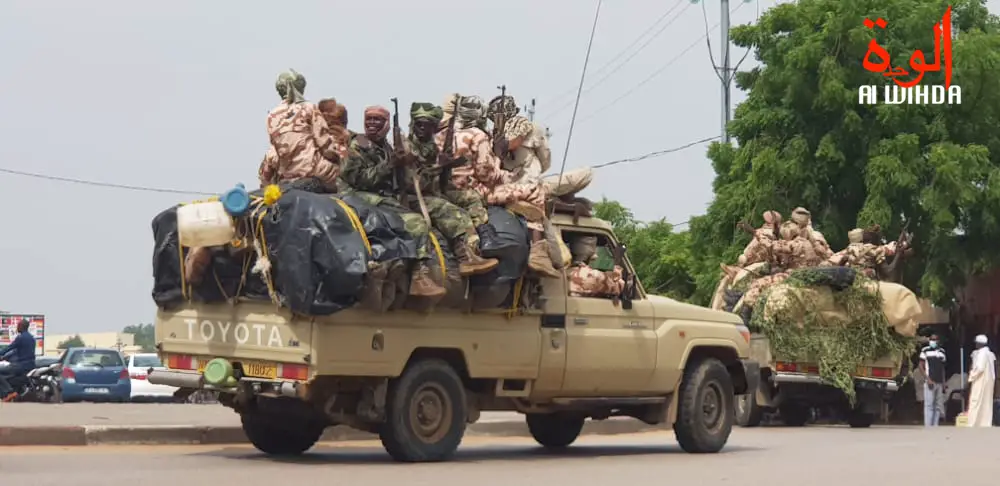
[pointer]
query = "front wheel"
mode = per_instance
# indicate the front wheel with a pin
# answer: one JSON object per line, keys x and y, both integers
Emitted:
{"x": 425, "y": 413}
{"x": 705, "y": 407}
{"x": 272, "y": 435}
{"x": 554, "y": 430}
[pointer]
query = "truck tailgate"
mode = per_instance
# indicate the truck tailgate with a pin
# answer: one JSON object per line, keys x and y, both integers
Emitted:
{"x": 255, "y": 332}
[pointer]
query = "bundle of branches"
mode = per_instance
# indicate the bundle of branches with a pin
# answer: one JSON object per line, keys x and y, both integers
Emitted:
{"x": 838, "y": 342}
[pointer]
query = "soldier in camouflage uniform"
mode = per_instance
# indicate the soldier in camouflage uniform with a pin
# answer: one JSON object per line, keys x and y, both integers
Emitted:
{"x": 803, "y": 218}
{"x": 862, "y": 256}
{"x": 301, "y": 144}
{"x": 369, "y": 171}
{"x": 584, "y": 280}
{"x": 524, "y": 150}
{"x": 420, "y": 156}
{"x": 760, "y": 248}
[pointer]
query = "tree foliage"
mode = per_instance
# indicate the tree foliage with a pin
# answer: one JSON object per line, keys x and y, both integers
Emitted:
{"x": 803, "y": 139}
{"x": 144, "y": 336}
{"x": 73, "y": 342}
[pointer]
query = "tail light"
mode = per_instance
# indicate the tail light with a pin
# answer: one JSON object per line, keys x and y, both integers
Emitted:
{"x": 68, "y": 373}
{"x": 138, "y": 376}
{"x": 123, "y": 375}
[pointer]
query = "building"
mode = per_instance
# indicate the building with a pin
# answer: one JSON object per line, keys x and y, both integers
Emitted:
{"x": 122, "y": 341}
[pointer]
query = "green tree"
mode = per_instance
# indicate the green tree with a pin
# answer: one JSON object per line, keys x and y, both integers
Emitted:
{"x": 73, "y": 342}
{"x": 144, "y": 336}
{"x": 662, "y": 258}
{"x": 804, "y": 140}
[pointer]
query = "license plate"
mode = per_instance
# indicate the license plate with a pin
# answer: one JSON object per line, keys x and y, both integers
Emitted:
{"x": 260, "y": 369}
{"x": 95, "y": 390}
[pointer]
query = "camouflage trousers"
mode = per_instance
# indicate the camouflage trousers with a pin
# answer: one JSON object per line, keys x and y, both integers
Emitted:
{"x": 503, "y": 194}
{"x": 446, "y": 217}
{"x": 413, "y": 223}
{"x": 471, "y": 201}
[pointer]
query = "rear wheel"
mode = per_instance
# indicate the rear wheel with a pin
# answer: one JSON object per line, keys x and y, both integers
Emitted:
{"x": 794, "y": 414}
{"x": 860, "y": 420}
{"x": 554, "y": 430}
{"x": 271, "y": 434}
{"x": 425, "y": 413}
{"x": 705, "y": 407}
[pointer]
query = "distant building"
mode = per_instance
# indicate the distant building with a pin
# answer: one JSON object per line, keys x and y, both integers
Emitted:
{"x": 122, "y": 341}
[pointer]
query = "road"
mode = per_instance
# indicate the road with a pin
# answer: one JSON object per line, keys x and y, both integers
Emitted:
{"x": 813, "y": 456}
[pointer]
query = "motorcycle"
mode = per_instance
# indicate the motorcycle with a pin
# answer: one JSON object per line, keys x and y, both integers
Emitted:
{"x": 39, "y": 385}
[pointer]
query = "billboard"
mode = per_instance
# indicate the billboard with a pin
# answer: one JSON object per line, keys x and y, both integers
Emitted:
{"x": 8, "y": 329}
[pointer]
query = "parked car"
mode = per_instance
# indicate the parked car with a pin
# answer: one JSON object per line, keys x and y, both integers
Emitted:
{"x": 94, "y": 374}
{"x": 138, "y": 367}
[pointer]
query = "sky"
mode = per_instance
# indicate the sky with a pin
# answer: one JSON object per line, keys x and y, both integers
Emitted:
{"x": 175, "y": 95}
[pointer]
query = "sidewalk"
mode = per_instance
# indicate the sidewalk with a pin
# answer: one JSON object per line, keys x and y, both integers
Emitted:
{"x": 89, "y": 424}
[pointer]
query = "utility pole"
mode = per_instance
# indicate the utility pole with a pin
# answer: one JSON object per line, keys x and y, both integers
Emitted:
{"x": 530, "y": 110}
{"x": 725, "y": 73}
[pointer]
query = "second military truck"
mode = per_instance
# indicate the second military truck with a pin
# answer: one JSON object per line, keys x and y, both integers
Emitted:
{"x": 416, "y": 379}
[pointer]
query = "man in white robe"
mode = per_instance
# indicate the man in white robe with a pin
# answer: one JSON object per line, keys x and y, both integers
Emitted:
{"x": 982, "y": 377}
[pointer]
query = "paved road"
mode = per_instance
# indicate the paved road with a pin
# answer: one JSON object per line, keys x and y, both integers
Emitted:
{"x": 132, "y": 414}
{"x": 813, "y": 456}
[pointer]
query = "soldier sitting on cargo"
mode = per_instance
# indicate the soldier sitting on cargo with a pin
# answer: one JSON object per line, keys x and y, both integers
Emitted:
{"x": 862, "y": 256}
{"x": 586, "y": 281}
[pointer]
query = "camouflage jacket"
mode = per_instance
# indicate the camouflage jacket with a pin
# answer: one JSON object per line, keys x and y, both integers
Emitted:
{"x": 863, "y": 256}
{"x": 796, "y": 253}
{"x": 301, "y": 146}
{"x": 585, "y": 281}
{"x": 424, "y": 162}
{"x": 369, "y": 166}
{"x": 760, "y": 249}
{"x": 483, "y": 168}
{"x": 532, "y": 156}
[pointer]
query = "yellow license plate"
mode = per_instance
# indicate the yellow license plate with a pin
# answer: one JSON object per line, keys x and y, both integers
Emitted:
{"x": 260, "y": 369}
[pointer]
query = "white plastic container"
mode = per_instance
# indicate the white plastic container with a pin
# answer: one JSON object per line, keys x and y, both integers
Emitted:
{"x": 204, "y": 224}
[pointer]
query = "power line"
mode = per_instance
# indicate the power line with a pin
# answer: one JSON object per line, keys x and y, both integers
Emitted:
{"x": 132, "y": 187}
{"x": 656, "y": 73}
{"x": 604, "y": 78}
{"x": 623, "y": 51}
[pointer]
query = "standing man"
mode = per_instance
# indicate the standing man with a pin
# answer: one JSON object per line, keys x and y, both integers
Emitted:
{"x": 982, "y": 377}
{"x": 932, "y": 361}
{"x": 20, "y": 356}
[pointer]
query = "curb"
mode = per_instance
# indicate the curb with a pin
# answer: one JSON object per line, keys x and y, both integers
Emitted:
{"x": 207, "y": 435}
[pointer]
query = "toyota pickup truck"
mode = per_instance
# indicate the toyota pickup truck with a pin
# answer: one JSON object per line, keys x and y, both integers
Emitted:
{"x": 417, "y": 379}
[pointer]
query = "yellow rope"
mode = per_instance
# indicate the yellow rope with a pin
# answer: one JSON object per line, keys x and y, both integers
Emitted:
{"x": 517, "y": 298}
{"x": 440, "y": 255}
{"x": 263, "y": 248}
{"x": 356, "y": 223}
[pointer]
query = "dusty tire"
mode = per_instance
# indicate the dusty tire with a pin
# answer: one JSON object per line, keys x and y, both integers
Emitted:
{"x": 279, "y": 437}
{"x": 554, "y": 430}
{"x": 425, "y": 413}
{"x": 748, "y": 413}
{"x": 860, "y": 420}
{"x": 705, "y": 410}
{"x": 794, "y": 414}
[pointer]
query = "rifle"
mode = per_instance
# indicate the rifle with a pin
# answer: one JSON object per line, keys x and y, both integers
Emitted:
{"x": 628, "y": 290}
{"x": 397, "y": 143}
{"x": 500, "y": 124}
{"x": 448, "y": 150}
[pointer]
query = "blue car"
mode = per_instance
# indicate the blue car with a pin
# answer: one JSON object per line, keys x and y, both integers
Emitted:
{"x": 94, "y": 374}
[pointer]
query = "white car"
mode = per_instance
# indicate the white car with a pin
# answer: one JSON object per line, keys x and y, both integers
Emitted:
{"x": 138, "y": 368}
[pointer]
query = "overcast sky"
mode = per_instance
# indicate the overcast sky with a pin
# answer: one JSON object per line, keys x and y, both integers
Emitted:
{"x": 175, "y": 95}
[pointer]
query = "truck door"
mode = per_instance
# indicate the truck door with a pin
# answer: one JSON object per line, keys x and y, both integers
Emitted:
{"x": 611, "y": 350}
{"x": 552, "y": 325}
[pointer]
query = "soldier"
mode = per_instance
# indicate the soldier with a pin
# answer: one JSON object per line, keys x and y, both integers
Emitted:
{"x": 795, "y": 250}
{"x": 301, "y": 145}
{"x": 862, "y": 256}
{"x": 369, "y": 171}
{"x": 421, "y": 157}
{"x": 525, "y": 147}
{"x": 760, "y": 248}
{"x": 335, "y": 115}
{"x": 483, "y": 174}
{"x": 584, "y": 280}
{"x": 803, "y": 218}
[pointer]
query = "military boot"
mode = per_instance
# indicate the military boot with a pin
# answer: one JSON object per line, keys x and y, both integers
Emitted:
{"x": 529, "y": 211}
{"x": 539, "y": 260}
{"x": 469, "y": 263}
{"x": 372, "y": 296}
{"x": 423, "y": 285}
{"x": 490, "y": 244}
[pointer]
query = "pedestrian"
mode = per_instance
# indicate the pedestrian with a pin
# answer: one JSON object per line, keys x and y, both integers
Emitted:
{"x": 932, "y": 361}
{"x": 982, "y": 377}
{"x": 20, "y": 357}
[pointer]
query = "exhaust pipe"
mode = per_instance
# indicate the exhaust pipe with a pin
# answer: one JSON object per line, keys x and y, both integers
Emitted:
{"x": 178, "y": 379}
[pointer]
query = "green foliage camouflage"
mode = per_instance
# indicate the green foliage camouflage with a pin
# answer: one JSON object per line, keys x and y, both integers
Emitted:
{"x": 837, "y": 345}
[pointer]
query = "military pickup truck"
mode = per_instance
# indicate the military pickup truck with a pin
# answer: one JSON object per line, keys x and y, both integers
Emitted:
{"x": 416, "y": 379}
